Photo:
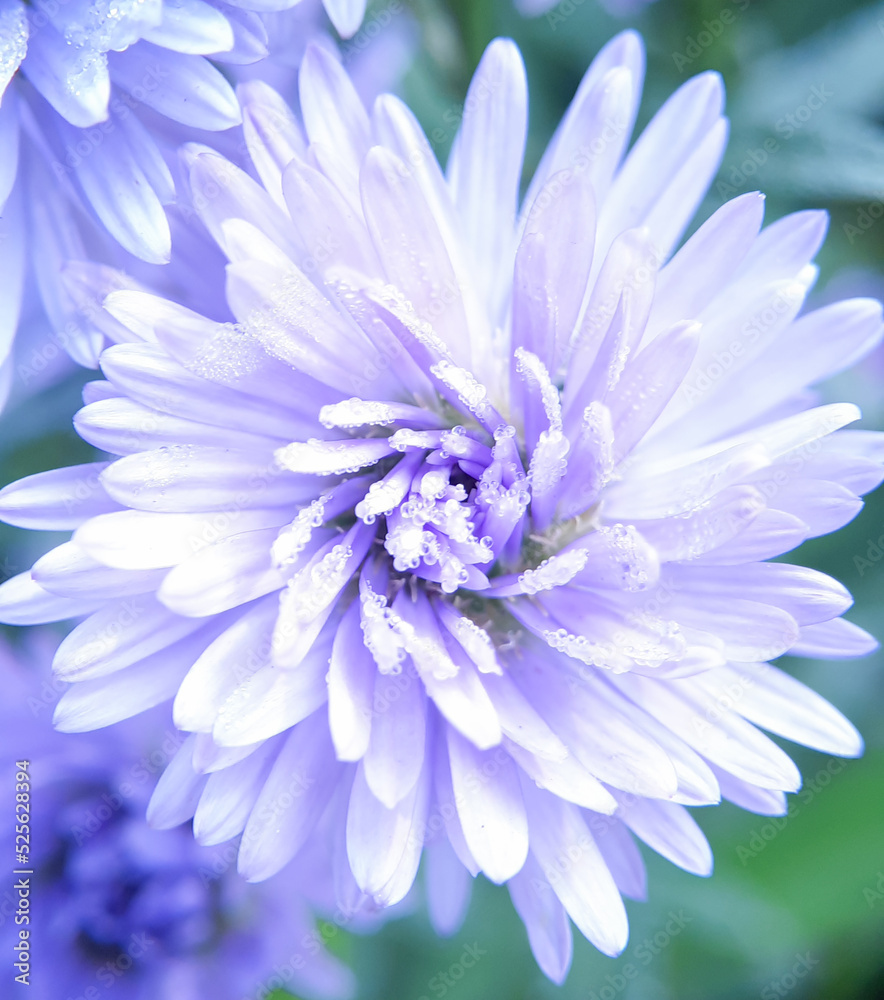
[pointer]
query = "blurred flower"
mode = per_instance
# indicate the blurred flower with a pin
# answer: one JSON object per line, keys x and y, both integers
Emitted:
{"x": 114, "y": 903}
{"x": 92, "y": 95}
{"x": 76, "y": 76}
{"x": 461, "y": 526}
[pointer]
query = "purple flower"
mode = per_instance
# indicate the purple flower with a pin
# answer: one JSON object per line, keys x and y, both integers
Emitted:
{"x": 115, "y": 903}
{"x": 462, "y": 525}
{"x": 93, "y": 94}
{"x": 76, "y": 79}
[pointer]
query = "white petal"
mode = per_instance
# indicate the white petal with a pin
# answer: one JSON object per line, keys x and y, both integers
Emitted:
{"x": 584, "y": 885}
{"x": 822, "y": 506}
{"x": 121, "y": 426}
{"x": 764, "y": 801}
{"x": 345, "y": 15}
{"x": 192, "y": 26}
{"x": 648, "y": 384}
{"x": 772, "y": 699}
{"x": 600, "y": 117}
{"x": 408, "y": 241}
{"x": 13, "y": 254}
{"x": 24, "y": 602}
{"x": 654, "y": 162}
{"x": 103, "y": 701}
{"x": 74, "y": 79}
{"x": 333, "y": 458}
{"x": 121, "y": 633}
{"x": 351, "y": 685}
{"x": 395, "y": 756}
{"x": 271, "y": 700}
{"x": 611, "y": 749}
{"x": 552, "y": 267}
{"x": 834, "y": 640}
{"x": 334, "y": 117}
{"x": 486, "y": 162}
{"x": 147, "y": 374}
{"x": 670, "y": 830}
{"x": 714, "y": 732}
{"x": 69, "y": 572}
{"x": 139, "y": 540}
{"x": 463, "y": 701}
{"x": 272, "y": 134}
{"x": 230, "y": 795}
{"x": 769, "y": 533}
{"x": 710, "y": 526}
{"x": 294, "y": 796}
{"x": 568, "y": 779}
{"x": 448, "y": 888}
{"x": 183, "y": 479}
{"x": 749, "y": 629}
{"x": 118, "y": 188}
{"x": 377, "y": 837}
{"x": 705, "y": 264}
{"x": 621, "y": 854}
{"x": 490, "y": 806}
{"x": 333, "y": 234}
{"x": 784, "y": 247}
{"x": 9, "y": 138}
{"x": 231, "y": 572}
{"x": 806, "y": 594}
{"x": 196, "y": 94}
{"x": 520, "y": 722}
{"x": 444, "y": 804}
{"x": 177, "y": 793}
{"x": 545, "y": 920}
{"x": 58, "y": 500}
{"x": 236, "y": 654}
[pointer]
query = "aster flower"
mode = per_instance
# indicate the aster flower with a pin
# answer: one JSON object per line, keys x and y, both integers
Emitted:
{"x": 465, "y": 519}
{"x": 90, "y": 95}
{"x": 68, "y": 70}
{"x": 115, "y": 903}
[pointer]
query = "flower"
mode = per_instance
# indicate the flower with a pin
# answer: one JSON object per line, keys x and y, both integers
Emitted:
{"x": 464, "y": 522}
{"x": 75, "y": 81}
{"x": 118, "y": 904}
{"x": 92, "y": 96}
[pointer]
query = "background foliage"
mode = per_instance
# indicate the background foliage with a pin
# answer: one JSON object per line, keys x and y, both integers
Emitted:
{"x": 796, "y": 906}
